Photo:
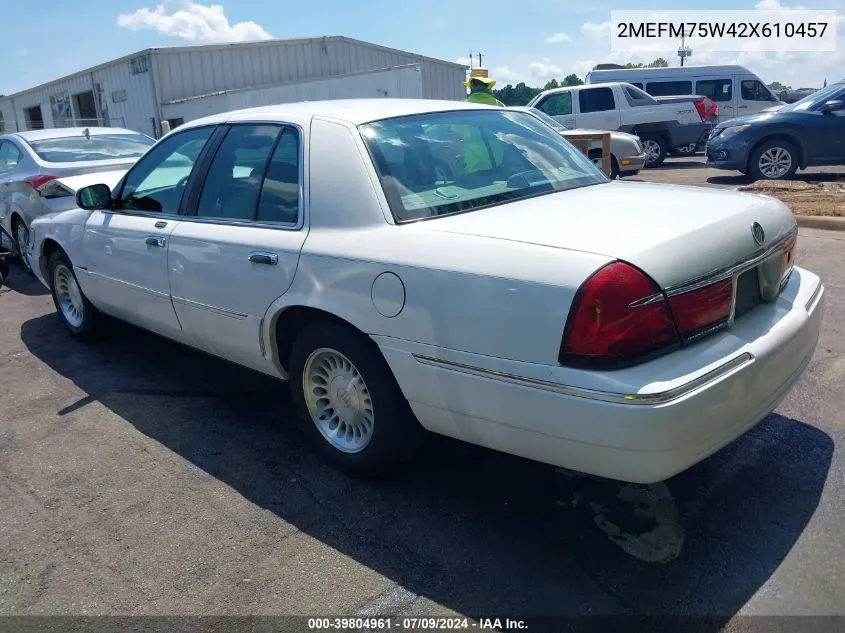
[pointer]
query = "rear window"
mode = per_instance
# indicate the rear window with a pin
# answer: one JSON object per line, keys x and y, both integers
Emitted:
{"x": 76, "y": 149}
{"x": 596, "y": 100}
{"x": 443, "y": 163}
{"x": 719, "y": 90}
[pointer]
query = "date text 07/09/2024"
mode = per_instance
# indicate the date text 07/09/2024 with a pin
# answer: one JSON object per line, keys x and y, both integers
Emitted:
{"x": 414, "y": 624}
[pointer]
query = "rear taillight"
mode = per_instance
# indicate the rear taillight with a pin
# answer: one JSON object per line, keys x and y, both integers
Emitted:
{"x": 38, "y": 181}
{"x": 706, "y": 108}
{"x": 618, "y": 315}
{"x": 699, "y": 311}
{"x": 788, "y": 260}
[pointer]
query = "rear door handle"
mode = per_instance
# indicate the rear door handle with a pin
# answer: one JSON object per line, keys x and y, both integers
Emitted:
{"x": 260, "y": 257}
{"x": 740, "y": 107}
{"x": 155, "y": 241}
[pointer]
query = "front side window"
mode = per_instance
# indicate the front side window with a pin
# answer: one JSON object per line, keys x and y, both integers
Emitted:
{"x": 753, "y": 90}
{"x": 10, "y": 156}
{"x": 233, "y": 181}
{"x": 157, "y": 181}
{"x": 444, "y": 163}
{"x": 596, "y": 100}
{"x": 669, "y": 88}
{"x": 557, "y": 104}
{"x": 719, "y": 90}
{"x": 81, "y": 148}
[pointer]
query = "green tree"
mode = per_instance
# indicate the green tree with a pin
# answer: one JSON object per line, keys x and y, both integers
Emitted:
{"x": 571, "y": 80}
{"x": 552, "y": 83}
{"x": 659, "y": 63}
{"x": 777, "y": 86}
{"x": 518, "y": 95}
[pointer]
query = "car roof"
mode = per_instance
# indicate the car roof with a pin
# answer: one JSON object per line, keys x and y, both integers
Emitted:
{"x": 352, "y": 111}
{"x": 65, "y": 132}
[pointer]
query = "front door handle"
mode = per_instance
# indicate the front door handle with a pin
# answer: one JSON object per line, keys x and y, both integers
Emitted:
{"x": 156, "y": 241}
{"x": 260, "y": 257}
{"x": 741, "y": 107}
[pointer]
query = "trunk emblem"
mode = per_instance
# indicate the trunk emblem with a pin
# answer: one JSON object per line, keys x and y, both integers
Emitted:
{"x": 758, "y": 233}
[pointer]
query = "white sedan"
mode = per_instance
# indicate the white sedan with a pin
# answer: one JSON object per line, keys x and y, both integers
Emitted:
{"x": 412, "y": 265}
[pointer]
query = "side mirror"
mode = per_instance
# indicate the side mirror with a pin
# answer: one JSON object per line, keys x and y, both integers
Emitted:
{"x": 94, "y": 198}
{"x": 837, "y": 105}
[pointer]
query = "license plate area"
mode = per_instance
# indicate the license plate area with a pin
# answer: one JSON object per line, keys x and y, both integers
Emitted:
{"x": 748, "y": 294}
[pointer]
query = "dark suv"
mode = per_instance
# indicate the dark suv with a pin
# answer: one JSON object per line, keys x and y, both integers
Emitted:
{"x": 773, "y": 145}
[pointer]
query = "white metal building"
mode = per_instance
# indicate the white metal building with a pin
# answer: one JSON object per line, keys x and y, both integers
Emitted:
{"x": 182, "y": 83}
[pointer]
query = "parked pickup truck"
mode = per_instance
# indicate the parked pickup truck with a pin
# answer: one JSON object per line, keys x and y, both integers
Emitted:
{"x": 626, "y": 108}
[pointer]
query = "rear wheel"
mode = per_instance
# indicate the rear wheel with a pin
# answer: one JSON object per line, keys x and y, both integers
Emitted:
{"x": 21, "y": 234}
{"x": 81, "y": 318}
{"x": 655, "y": 148}
{"x": 774, "y": 160}
{"x": 349, "y": 402}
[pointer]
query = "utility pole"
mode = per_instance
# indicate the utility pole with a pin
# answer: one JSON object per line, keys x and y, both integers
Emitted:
{"x": 684, "y": 51}
{"x": 480, "y": 65}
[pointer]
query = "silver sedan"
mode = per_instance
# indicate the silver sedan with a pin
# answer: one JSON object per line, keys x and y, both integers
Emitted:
{"x": 33, "y": 163}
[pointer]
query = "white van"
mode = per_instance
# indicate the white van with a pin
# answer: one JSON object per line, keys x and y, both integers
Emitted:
{"x": 735, "y": 89}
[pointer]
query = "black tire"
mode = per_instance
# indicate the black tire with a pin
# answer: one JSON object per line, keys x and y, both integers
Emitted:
{"x": 18, "y": 226}
{"x": 90, "y": 326}
{"x": 595, "y": 155}
{"x": 778, "y": 148}
{"x": 662, "y": 149}
{"x": 395, "y": 434}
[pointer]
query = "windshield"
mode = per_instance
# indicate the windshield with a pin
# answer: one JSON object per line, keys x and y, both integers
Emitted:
{"x": 816, "y": 99}
{"x": 451, "y": 162}
{"x": 74, "y": 149}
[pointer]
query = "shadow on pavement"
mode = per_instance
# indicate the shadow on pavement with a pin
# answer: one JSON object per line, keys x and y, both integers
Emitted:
{"x": 738, "y": 179}
{"x": 22, "y": 282}
{"x": 476, "y": 531}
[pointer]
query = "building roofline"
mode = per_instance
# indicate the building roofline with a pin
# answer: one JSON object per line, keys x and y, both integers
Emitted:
{"x": 206, "y": 47}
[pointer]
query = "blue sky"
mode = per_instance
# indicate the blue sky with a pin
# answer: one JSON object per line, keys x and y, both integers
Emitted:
{"x": 522, "y": 40}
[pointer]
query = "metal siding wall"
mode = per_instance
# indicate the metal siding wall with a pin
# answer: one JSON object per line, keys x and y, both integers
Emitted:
{"x": 405, "y": 82}
{"x": 42, "y": 98}
{"x": 140, "y": 105}
{"x": 443, "y": 82}
{"x": 184, "y": 74}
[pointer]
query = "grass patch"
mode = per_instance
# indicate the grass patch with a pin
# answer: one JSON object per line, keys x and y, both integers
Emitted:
{"x": 805, "y": 198}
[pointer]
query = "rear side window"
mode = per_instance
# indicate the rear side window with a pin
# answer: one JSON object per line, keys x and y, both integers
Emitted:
{"x": 669, "y": 88}
{"x": 637, "y": 84}
{"x": 637, "y": 97}
{"x": 557, "y": 104}
{"x": 10, "y": 156}
{"x": 279, "y": 200}
{"x": 596, "y": 100}
{"x": 719, "y": 90}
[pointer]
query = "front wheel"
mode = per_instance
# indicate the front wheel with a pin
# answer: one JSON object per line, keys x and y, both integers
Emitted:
{"x": 596, "y": 156}
{"x": 349, "y": 402}
{"x": 79, "y": 316}
{"x": 21, "y": 233}
{"x": 773, "y": 160}
{"x": 655, "y": 148}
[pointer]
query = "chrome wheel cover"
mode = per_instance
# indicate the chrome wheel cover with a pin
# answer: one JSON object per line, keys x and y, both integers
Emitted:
{"x": 22, "y": 240}
{"x": 68, "y": 296}
{"x": 775, "y": 162}
{"x": 338, "y": 400}
{"x": 652, "y": 150}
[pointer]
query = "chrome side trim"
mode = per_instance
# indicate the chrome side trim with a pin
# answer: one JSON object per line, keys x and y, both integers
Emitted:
{"x": 813, "y": 301}
{"x": 214, "y": 310}
{"x": 150, "y": 291}
{"x": 734, "y": 270}
{"x": 651, "y": 399}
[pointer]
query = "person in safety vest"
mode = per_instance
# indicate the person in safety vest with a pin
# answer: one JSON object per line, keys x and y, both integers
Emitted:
{"x": 479, "y": 154}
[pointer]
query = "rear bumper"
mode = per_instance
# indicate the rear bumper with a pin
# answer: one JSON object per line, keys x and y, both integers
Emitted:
{"x": 644, "y": 430}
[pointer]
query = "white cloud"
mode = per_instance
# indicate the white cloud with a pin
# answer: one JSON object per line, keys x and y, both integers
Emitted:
{"x": 558, "y": 38}
{"x": 543, "y": 70}
{"x": 464, "y": 61}
{"x": 597, "y": 30}
{"x": 187, "y": 20}
{"x": 504, "y": 76}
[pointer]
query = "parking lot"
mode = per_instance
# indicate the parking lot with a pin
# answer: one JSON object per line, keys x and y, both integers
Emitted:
{"x": 140, "y": 477}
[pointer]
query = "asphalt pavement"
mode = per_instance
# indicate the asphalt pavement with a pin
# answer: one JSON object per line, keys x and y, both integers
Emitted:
{"x": 140, "y": 477}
